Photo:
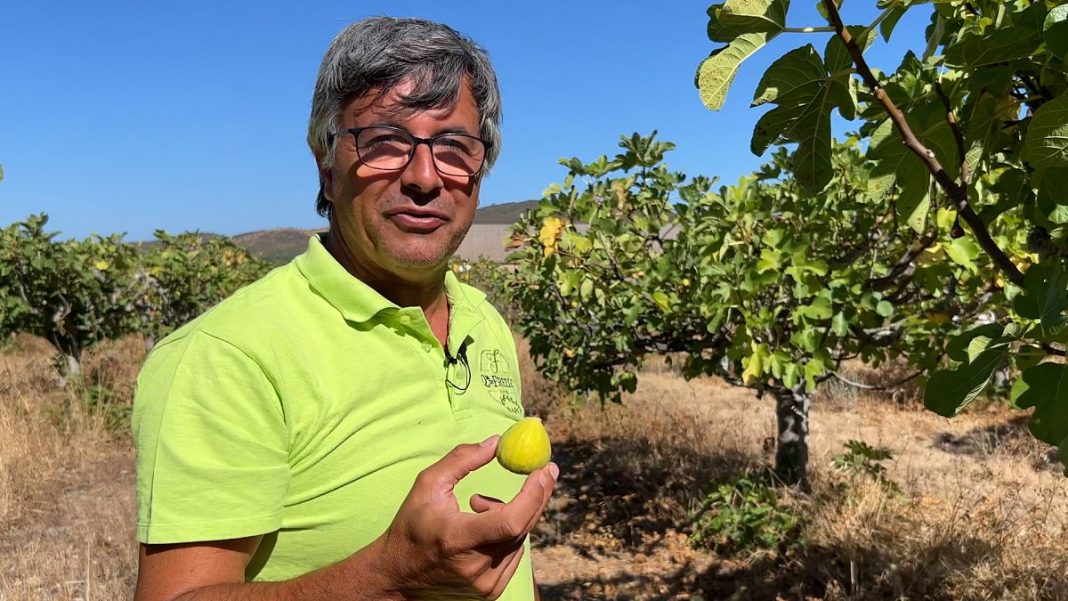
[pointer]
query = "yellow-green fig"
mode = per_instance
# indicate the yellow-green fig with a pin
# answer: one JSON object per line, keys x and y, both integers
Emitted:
{"x": 524, "y": 447}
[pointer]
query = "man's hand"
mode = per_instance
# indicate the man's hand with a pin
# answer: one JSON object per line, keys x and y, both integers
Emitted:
{"x": 430, "y": 548}
{"x": 435, "y": 548}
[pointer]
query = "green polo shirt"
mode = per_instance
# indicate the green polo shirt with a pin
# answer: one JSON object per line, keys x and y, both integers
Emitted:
{"x": 304, "y": 406}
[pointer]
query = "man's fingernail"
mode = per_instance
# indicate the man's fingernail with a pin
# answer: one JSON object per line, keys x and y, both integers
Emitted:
{"x": 488, "y": 441}
{"x": 554, "y": 470}
{"x": 543, "y": 480}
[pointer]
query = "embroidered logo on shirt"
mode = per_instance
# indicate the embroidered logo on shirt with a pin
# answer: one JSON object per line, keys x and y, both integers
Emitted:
{"x": 498, "y": 379}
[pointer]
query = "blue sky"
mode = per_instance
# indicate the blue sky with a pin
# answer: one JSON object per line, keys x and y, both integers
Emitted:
{"x": 133, "y": 116}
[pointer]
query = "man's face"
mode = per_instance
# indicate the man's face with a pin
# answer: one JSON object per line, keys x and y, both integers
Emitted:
{"x": 403, "y": 223}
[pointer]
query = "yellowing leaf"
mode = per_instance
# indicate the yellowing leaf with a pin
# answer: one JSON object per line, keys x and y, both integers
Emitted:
{"x": 753, "y": 369}
{"x": 102, "y": 265}
{"x": 716, "y": 73}
{"x": 932, "y": 255}
{"x": 938, "y": 318}
{"x": 662, "y": 300}
{"x": 550, "y": 230}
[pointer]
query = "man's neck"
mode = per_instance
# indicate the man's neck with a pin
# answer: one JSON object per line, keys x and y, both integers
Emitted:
{"x": 427, "y": 294}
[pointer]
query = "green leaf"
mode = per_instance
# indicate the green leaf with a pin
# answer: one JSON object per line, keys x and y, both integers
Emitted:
{"x": 1051, "y": 186}
{"x": 884, "y": 308}
{"x": 999, "y": 45}
{"x": 895, "y": 164}
{"x": 948, "y": 392}
{"x": 770, "y": 260}
{"x": 1045, "y": 295}
{"x": 799, "y": 84}
{"x": 886, "y": 28}
{"x": 746, "y": 26}
{"x": 734, "y": 18}
{"x": 661, "y": 299}
{"x": 964, "y": 251}
{"x": 982, "y": 130}
{"x": 1027, "y": 356}
{"x": 812, "y": 370}
{"x": 1046, "y": 144}
{"x": 979, "y": 344}
{"x": 586, "y": 289}
{"x": 803, "y": 264}
{"x": 839, "y": 63}
{"x": 715, "y": 73}
{"x": 839, "y": 325}
{"x": 821, "y": 8}
{"x": 792, "y": 74}
{"x": 836, "y": 56}
{"x": 1055, "y": 31}
{"x": 927, "y": 121}
{"x": 818, "y": 309}
{"x": 568, "y": 281}
{"x": 790, "y": 375}
{"x": 1044, "y": 387}
{"x": 957, "y": 349}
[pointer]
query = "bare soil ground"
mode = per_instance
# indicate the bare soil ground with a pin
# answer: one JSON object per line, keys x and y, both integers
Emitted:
{"x": 982, "y": 515}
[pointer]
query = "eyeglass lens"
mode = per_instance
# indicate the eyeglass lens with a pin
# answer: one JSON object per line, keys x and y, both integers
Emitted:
{"x": 388, "y": 148}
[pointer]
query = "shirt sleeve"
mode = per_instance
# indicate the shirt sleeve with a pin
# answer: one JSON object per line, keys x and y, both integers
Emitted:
{"x": 212, "y": 444}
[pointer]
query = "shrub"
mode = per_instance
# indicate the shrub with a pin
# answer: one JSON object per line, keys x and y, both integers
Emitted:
{"x": 862, "y": 460}
{"x": 743, "y": 515}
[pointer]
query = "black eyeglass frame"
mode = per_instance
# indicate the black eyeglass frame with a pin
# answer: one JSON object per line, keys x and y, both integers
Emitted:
{"x": 355, "y": 131}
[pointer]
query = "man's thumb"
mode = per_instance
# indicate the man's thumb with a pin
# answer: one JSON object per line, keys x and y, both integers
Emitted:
{"x": 463, "y": 460}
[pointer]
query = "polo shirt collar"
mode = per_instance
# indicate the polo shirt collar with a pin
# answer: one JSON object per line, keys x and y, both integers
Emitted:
{"x": 464, "y": 314}
{"x": 359, "y": 302}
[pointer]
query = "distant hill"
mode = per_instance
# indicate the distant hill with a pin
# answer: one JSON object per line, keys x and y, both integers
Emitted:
{"x": 277, "y": 245}
{"x": 505, "y": 213}
{"x": 282, "y": 244}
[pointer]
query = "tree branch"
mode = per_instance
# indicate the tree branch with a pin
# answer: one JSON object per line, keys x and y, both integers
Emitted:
{"x": 903, "y": 264}
{"x": 876, "y": 386}
{"x": 1049, "y": 348}
{"x": 958, "y": 135}
{"x": 820, "y": 29}
{"x": 956, "y": 193}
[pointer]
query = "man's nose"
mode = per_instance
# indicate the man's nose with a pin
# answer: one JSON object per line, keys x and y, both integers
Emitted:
{"x": 421, "y": 174}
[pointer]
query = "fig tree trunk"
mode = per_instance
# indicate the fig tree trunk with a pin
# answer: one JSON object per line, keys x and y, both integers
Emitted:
{"x": 72, "y": 366}
{"x": 68, "y": 363}
{"x": 791, "y": 449}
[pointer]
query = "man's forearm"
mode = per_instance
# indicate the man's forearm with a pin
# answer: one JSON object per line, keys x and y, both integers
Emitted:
{"x": 360, "y": 577}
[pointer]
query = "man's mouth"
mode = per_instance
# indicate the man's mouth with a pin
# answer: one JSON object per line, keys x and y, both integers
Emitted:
{"x": 417, "y": 221}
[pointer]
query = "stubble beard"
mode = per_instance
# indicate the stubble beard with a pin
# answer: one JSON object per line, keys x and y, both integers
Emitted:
{"x": 422, "y": 255}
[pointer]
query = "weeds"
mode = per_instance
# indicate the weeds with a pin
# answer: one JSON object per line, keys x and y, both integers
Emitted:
{"x": 743, "y": 515}
{"x": 862, "y": 460}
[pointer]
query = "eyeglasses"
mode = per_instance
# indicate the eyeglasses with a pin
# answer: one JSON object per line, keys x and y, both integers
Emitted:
{"x": 391, "y": 149}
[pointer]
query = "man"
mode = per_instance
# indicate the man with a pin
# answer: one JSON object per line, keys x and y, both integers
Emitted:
{"x": 316, "y": 435}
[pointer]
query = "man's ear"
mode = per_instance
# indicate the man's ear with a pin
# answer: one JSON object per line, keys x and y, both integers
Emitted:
{"x": 326, "y": 177}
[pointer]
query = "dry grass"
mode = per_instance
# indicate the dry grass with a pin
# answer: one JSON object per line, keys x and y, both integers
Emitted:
{"x": 981, "y": 518}
{"x": 66, "y": 482}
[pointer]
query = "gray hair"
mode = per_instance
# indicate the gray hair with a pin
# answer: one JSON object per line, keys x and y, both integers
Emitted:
{"x": 378, "y": 53}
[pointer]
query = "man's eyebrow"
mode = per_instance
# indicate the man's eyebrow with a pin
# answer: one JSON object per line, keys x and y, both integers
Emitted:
{"x": 456, "y": 129}
{"x": 386, "y": 123}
